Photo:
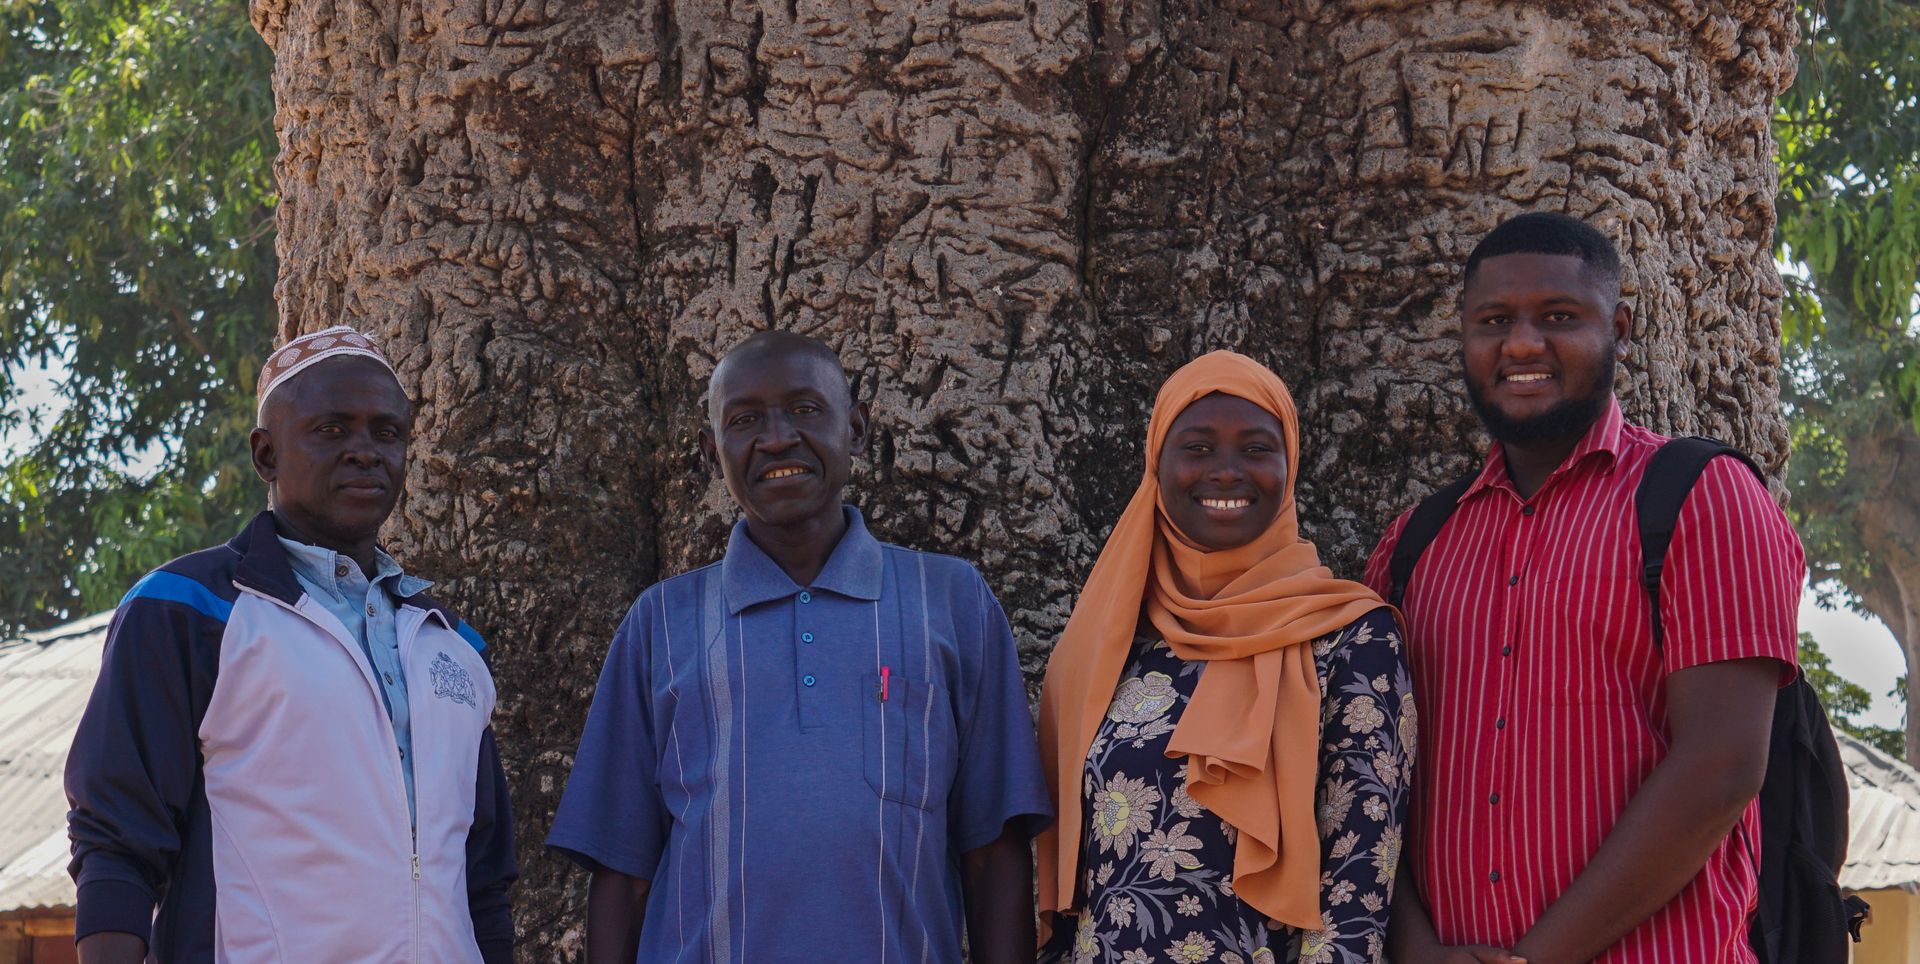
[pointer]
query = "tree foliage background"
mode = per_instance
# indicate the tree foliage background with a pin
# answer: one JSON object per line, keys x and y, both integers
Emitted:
{"x": 136, "y": 256}
{"x": 1849, "y": 225}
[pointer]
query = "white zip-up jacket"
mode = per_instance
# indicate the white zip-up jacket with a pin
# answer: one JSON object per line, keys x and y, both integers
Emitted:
{"x": 236, "y": 767}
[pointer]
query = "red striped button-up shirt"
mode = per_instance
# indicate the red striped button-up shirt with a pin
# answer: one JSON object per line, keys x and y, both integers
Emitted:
{"x": 1541, "y": 693}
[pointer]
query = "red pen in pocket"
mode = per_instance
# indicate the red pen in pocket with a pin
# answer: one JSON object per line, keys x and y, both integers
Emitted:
{"x": 884, "y": 673}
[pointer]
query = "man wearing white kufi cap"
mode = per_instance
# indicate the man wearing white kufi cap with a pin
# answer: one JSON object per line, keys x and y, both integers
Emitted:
{"x": 287, "y": 756}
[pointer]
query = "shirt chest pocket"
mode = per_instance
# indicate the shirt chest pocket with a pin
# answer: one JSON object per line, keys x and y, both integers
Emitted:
{"x": 1596, "y": 643}
{"x": 910, "y": 745}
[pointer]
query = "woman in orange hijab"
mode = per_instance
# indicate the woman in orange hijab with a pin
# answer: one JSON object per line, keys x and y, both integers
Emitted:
{"x": 1227, "y": 729}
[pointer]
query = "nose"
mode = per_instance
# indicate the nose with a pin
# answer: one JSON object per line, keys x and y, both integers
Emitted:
{"x": 361, "y": 452}
{"x": 777, "y": 434}
{"x": 1523, "y": 340}
{"x": 1226, "y": 471}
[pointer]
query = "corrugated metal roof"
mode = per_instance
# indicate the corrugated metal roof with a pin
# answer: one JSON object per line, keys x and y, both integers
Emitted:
{"x": 1883, "y": 819}
{"x": 44, "y": 681}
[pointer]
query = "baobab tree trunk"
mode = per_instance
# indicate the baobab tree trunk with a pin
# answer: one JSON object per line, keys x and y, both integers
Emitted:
{"x": 1012, "y": 219}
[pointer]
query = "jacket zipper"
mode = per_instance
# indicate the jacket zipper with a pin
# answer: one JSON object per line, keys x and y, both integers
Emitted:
{"x": 413, "y": 829}
{"x": 406, "y": 652}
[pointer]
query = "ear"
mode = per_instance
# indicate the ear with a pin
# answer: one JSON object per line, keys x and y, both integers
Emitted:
{"x": 709, "y": 451}
{"x": 859, "y": 419}
{"x": 265, "y": 459}
{"x": 1622, "y": 329}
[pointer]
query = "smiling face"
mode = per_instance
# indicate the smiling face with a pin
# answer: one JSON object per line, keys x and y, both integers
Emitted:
{"x": 1540, "y": 335}
{"x": 333, "y": 447}
{"x": 782, "y": 431}
{"x": 1223, "y": 471}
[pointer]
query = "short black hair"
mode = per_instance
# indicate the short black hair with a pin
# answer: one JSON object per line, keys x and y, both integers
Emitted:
{"x": 775, "y": 343}
{"x": 1547, "y": 232}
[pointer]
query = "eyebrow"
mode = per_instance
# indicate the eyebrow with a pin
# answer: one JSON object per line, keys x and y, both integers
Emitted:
{"x": 1243, "y": 433}
{"x": 400, "y": 417}
{"x": 1501, "y": 305}
{"x": 751, "y": 398}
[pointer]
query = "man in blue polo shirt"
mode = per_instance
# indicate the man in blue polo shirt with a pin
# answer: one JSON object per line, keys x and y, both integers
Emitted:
{"x": 818, "y": 748}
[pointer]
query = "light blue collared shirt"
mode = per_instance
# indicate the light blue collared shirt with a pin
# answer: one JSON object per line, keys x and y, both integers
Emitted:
{"x": 368, "y": 610}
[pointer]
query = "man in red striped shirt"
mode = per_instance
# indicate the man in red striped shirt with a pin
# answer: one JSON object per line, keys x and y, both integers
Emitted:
{"x": 1583, "y": 795}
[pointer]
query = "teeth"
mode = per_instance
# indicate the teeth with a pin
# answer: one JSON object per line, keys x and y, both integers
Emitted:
{"x": 1531, "y": 377}
{"x": 1226, "y": 503}
{"x": 782, "y": 473}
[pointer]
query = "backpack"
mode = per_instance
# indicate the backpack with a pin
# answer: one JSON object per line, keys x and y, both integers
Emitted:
{"x": 1801, "y": 917}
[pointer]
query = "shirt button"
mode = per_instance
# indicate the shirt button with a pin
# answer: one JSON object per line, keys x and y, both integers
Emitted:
{"x": 389, "y": 679}
{"x": 806, "y": 637}
{"x": 1513, "y": 580}
{"x": 369, "y": 609}
{"x": 1494, "y": 798}
{"x": 1500, "y": 724}
{"x": 1494, "y": 877}
{"x": 1526, "y": 510}
{"x": 340, "y": 570}
{"x": 808, "y": 679}
{"x": 806, "y": 597}
{"x": 1506, "y": 650}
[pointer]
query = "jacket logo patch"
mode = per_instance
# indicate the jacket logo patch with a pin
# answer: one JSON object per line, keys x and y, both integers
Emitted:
{"x": 450, "y": 682}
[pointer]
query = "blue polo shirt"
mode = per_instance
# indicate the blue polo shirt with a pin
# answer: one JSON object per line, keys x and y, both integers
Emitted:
{"x": 798, "y": 769}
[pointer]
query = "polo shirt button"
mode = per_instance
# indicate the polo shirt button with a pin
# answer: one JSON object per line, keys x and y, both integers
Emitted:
{"x": 808, "y": 679}
{"x": 1500, "y": 724}
{"x": 806, "y": 637}
{"x": 806, "y": 597}
{"x": 1494, "y": 877}
{"x": 1513, "y": 580}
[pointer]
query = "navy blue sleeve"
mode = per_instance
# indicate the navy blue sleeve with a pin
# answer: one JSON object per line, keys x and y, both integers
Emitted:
{"x": 134, "y": 769}
{"x": 999, "y": 780}
{"x": 490, "y": 859}
{"x": 611, "y": 816}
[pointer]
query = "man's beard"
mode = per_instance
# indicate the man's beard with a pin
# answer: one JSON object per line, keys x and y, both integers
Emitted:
{"x": 1568, "y": 419}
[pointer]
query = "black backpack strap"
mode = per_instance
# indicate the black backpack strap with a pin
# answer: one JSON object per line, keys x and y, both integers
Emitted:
{"x": 1675, "y": 467}
{"x": 1422, "y": 526}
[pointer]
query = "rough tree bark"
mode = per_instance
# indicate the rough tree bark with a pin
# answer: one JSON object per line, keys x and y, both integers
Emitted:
{"x": 1013, "y": 217}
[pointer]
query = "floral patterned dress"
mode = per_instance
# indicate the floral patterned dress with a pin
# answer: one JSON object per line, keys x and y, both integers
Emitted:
{"x": 1157, "y": 866}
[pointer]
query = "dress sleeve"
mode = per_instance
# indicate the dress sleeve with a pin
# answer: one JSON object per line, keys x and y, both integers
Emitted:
{"x": 611, "y": 816}
{"x": 1368, "y": 735}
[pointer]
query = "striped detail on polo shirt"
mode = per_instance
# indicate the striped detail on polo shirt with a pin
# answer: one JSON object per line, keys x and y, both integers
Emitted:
{"x": 719, "y": 679}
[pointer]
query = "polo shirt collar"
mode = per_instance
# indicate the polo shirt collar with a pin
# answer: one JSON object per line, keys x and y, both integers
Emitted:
{"x": 749, "y": 576}
{"x": 1602, "y": 439}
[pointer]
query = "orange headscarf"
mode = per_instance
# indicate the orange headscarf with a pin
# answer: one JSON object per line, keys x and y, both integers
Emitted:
{"x": 1251, "y": 732}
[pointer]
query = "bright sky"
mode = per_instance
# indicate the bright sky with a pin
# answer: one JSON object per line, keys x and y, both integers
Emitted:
{"x": 1862, "y": 649}
{"x": 38, "y": 390}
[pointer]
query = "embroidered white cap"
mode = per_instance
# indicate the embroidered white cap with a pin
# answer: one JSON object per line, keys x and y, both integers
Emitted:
{"x": 306, "y": 351}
